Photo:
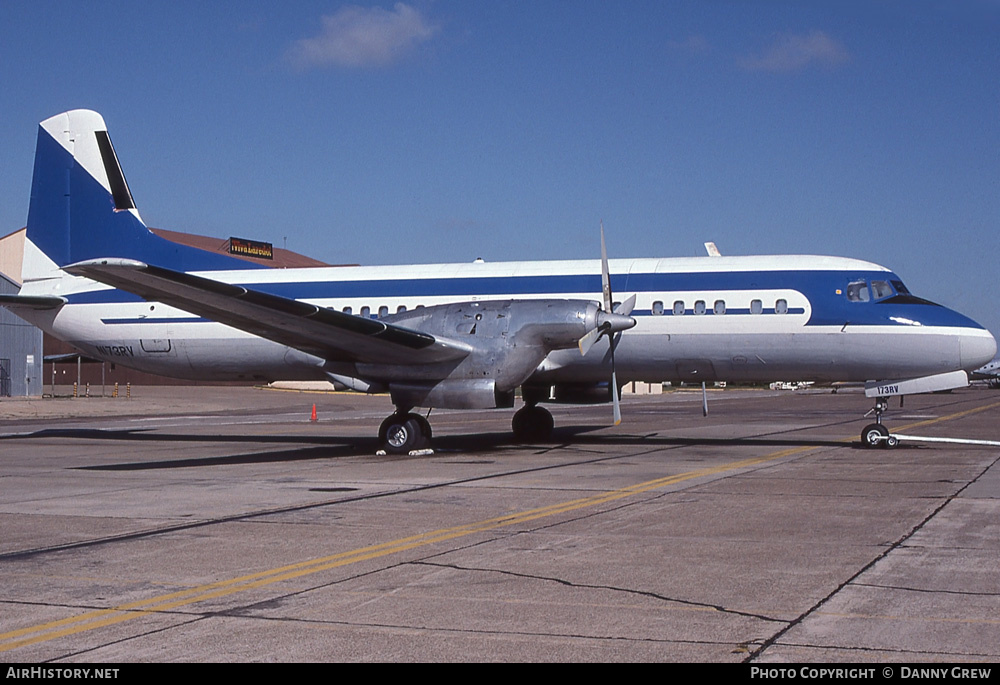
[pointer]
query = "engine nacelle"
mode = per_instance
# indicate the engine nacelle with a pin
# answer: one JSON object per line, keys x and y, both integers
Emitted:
{"x": 452, "y": 394}
{"x": 508, "y": 339}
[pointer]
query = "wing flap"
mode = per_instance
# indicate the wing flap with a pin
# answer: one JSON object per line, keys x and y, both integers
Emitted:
{"x": 326, "y": 333}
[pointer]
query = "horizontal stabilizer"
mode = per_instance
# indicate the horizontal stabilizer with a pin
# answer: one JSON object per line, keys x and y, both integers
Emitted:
{"x": 323, "y": 332}
{"x": 915, "y": 386}
{"x": 31, "y": 302}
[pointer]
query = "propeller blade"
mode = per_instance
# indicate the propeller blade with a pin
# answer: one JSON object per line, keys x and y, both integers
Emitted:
{"x": 615, "y": 400}
{"x": 611, "y": 321}
{"x": 605, "y": 276}
{"x": 587, "y": 341}
{"x": 626, "y": 307}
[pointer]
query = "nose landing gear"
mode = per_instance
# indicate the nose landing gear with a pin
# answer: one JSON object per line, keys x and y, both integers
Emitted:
{"x": 875, "y": 434}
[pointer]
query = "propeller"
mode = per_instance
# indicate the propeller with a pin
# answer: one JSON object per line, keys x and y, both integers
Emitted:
{"x": 610, "y": 322}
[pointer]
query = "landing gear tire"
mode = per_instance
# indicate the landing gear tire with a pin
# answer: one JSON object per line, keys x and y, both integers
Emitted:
{"x": 425, "y": 427}
{"x": 532, "y": 423}
{"x": 876, "y": 435}
{"x": 401, "y": 433}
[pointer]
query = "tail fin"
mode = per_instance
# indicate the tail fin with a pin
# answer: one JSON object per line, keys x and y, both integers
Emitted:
{"x": 81, "y": 207}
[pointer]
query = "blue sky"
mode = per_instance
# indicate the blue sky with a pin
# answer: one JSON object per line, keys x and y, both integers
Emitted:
{"x": 445, "y": 130}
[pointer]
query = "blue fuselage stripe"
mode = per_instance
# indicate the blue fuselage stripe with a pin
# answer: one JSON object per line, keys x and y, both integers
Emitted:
{"x": 466, "y": 287}
{"x": 824, "y": 289}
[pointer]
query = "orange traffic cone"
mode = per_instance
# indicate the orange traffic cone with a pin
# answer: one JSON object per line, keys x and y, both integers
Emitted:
{"x": 313, "y": 417}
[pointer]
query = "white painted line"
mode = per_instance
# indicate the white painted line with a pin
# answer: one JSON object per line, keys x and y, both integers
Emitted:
{"x": 957, "y": 441}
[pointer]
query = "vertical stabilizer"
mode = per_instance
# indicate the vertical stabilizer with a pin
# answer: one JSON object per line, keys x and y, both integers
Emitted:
{"x": 81, "y": 207}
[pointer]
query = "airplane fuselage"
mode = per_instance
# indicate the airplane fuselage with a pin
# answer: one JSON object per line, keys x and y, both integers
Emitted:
{"x": 698, "y": 319}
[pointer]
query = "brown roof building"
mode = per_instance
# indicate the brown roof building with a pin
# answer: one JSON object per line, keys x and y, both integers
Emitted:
{"x": 281, "y": 259}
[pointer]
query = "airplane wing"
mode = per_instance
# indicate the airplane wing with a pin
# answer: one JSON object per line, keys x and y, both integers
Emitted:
{"x": 316, "y": 330}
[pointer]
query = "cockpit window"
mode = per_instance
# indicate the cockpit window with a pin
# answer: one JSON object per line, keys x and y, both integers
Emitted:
{"x": 857, "y": 291}
{"x": 903, "y": 295}
{"x": 881, "y": 289}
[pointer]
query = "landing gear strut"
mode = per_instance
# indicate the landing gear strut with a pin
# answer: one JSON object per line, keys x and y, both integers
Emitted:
{"x": 403, "y": 432}
{"x": 875, "y": 434}
{"x": 532, "y": 423}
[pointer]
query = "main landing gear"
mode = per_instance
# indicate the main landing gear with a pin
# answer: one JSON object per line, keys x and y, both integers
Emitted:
{"x": 532, "y": 423}
{"x": 875, "y": 434}
{"x": 404, "y": 432}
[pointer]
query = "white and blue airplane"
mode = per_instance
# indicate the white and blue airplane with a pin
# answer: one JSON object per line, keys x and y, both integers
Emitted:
{"x": 462, "y": 335}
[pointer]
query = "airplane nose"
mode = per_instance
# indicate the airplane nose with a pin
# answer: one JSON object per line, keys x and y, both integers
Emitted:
{"x": 977, "y": 349}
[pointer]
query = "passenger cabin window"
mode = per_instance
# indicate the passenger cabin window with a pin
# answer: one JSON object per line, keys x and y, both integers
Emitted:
{"x": 699, "y": 307}
{"x": 781, "y": 306}
{"x": 881, "y": 290}
{"x": 720, "y": 307}
{"x": 383, "y": 311}
{"x": 857, "y": 291}
{"x": 400, "y": 309}
{"x": 366, "y": 311}
{"x": 348, "y": 310}
{"x": 756, "y": 306}
{"x": 657, "y": 308}
{"x": 678, "y": 308}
